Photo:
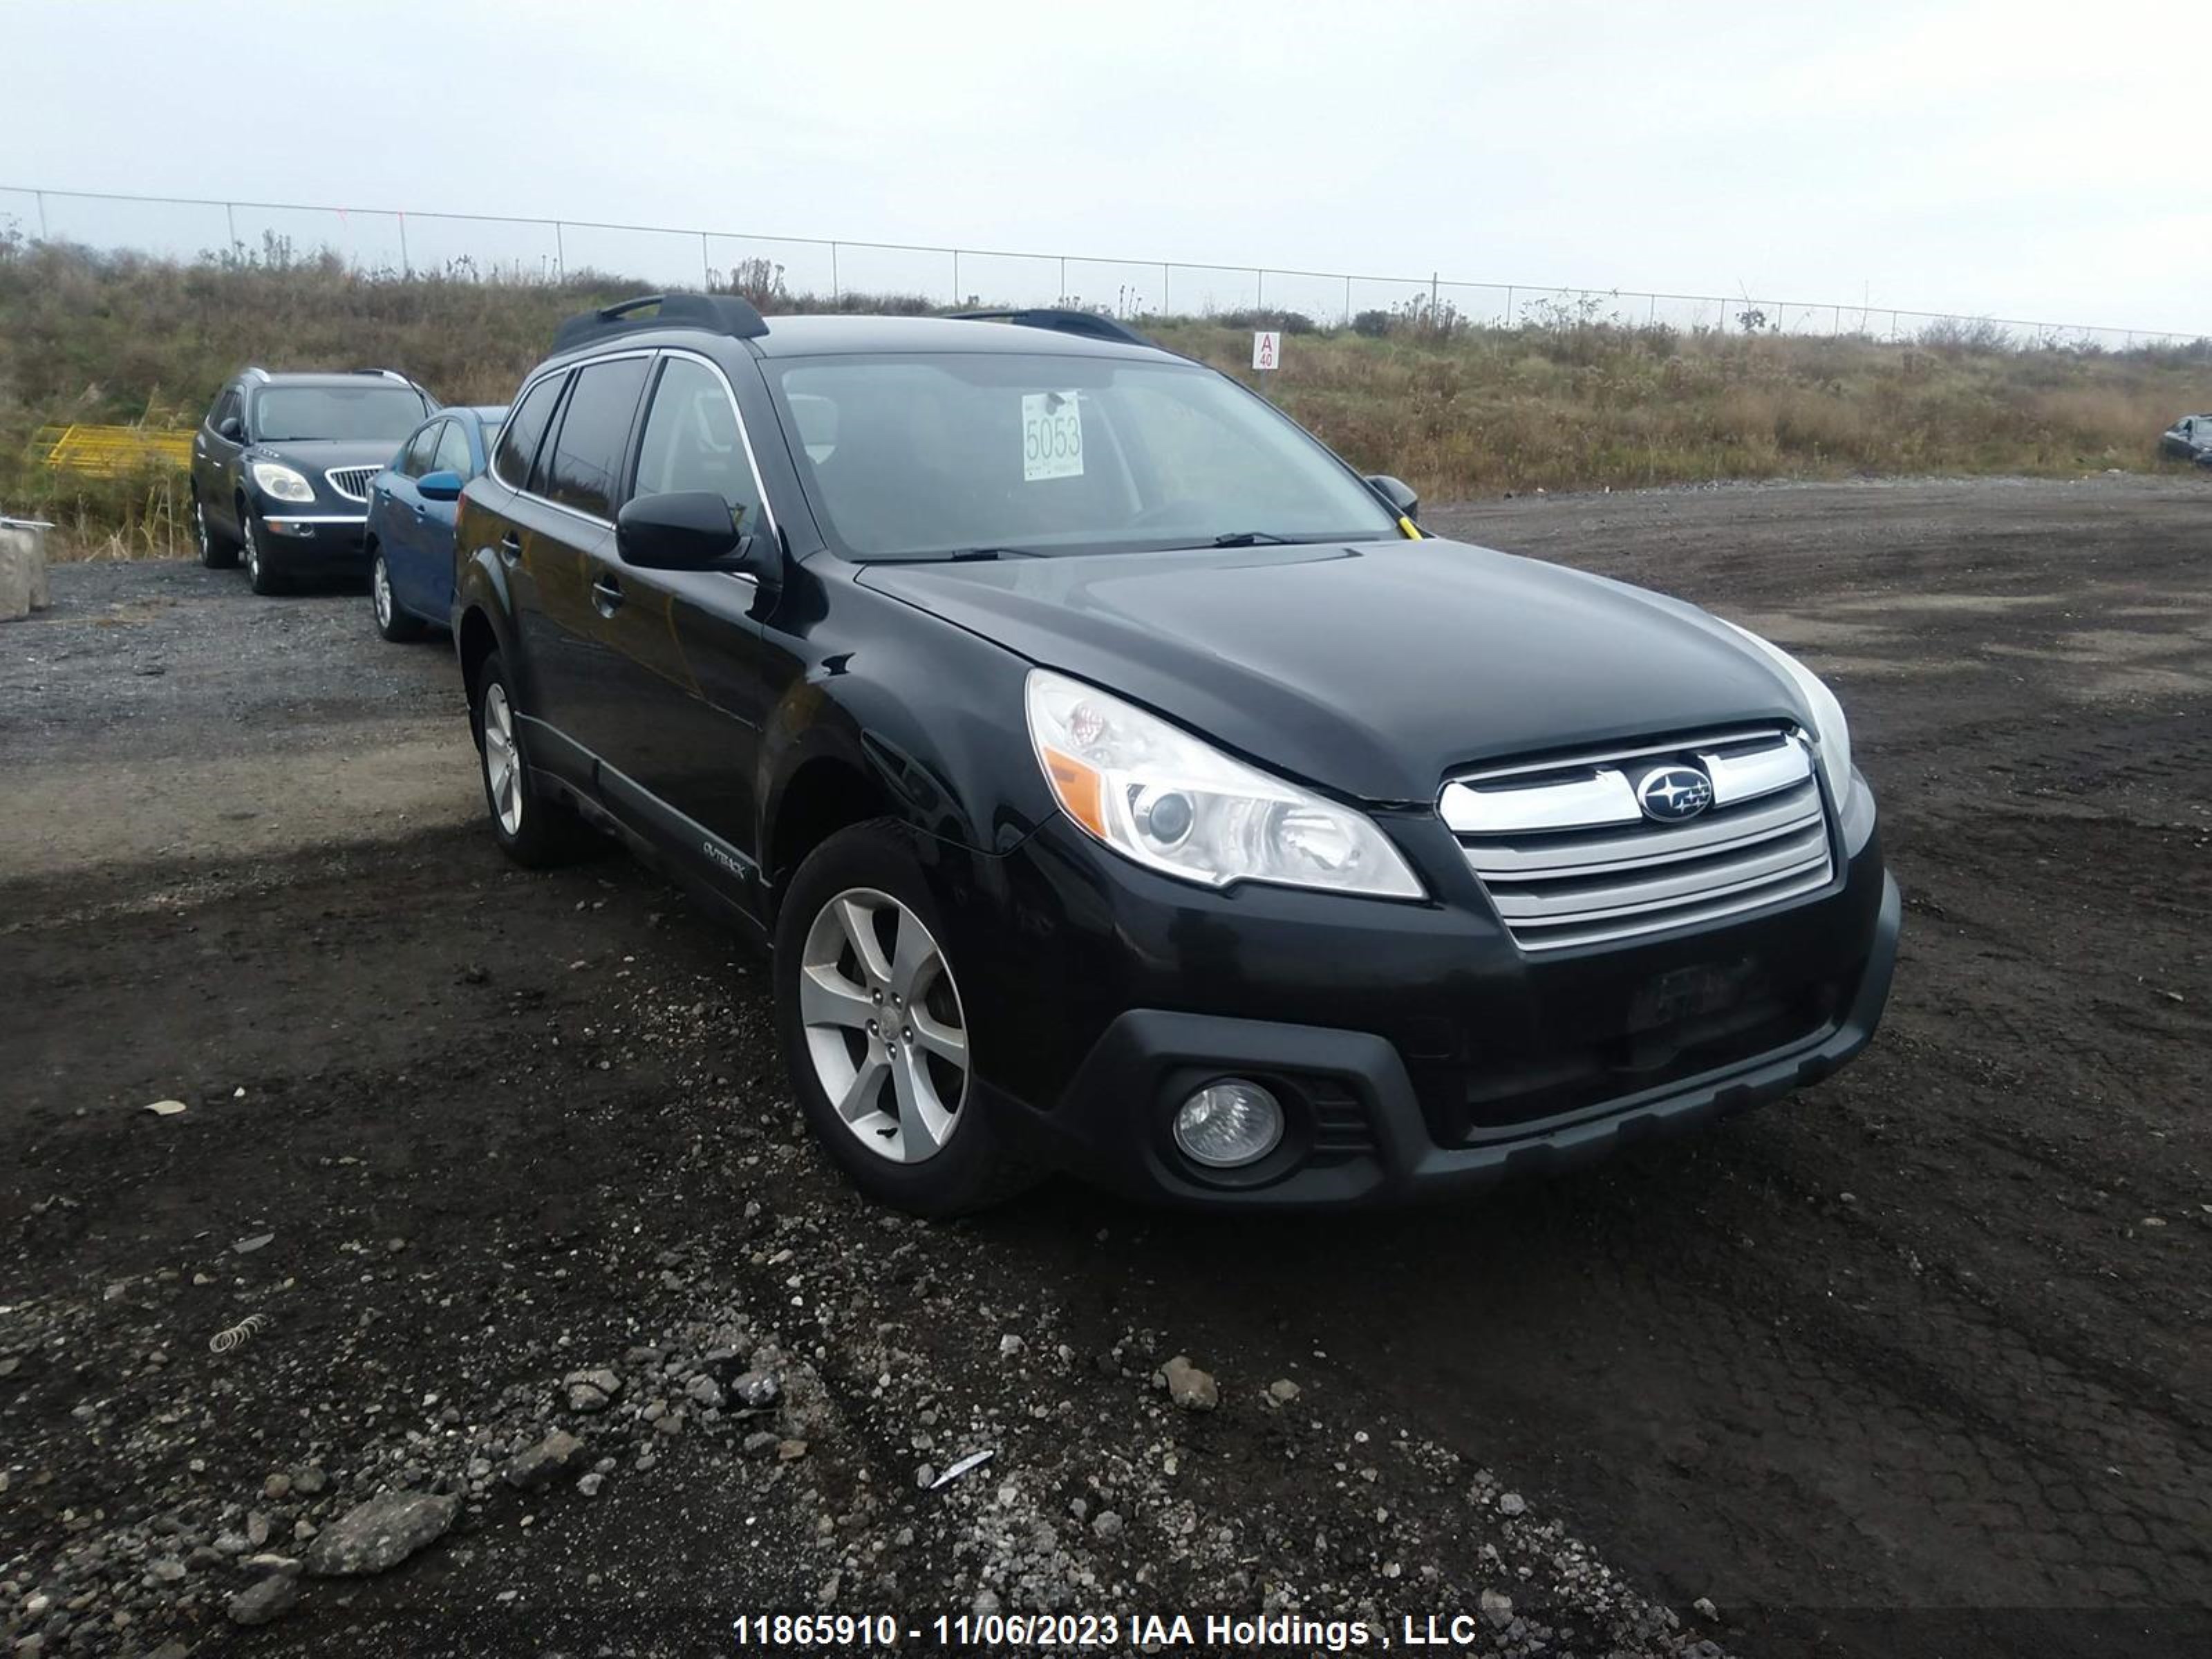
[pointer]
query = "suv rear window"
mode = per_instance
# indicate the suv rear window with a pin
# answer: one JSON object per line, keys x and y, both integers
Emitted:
{"x": 584, "y": 469}
{"x": 518, "y": 444}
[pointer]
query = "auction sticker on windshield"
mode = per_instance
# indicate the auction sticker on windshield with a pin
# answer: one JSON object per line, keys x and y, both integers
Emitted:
{"x": 1052, "y": 436}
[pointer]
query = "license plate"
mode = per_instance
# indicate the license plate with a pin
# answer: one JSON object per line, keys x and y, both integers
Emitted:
{"x": 1691, "y": 993}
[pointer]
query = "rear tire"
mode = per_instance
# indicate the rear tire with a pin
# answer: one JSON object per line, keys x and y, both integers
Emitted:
{"x": 260, "y": 575}
{"x": 394, "y": 624}
{"x": 217, "y": 550}
{"x": 532, "y": 827}
{"x": 868, "y": 1004}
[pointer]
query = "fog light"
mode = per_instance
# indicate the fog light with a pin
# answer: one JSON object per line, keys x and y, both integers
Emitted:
{"x": 1229, "y": 1124}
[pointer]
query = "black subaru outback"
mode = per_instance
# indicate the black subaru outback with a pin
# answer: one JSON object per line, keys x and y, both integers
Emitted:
{"x": 280, "y": 468}
{"x": 1126, "y": 785}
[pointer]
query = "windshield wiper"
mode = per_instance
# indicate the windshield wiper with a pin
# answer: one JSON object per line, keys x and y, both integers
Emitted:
{"x": 1252, "y": 539}
{"x": 971, "y": 556}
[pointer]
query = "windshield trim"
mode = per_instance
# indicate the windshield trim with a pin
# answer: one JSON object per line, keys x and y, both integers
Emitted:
{"x": 773, "y": 371}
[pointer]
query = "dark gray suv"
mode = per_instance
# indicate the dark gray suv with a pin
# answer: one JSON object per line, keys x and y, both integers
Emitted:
{"x": 281, "y": 467}
{"x": 1127, "y": 786}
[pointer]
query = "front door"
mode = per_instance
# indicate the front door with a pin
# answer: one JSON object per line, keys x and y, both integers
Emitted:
{"x": 218, "y": 457}
{"x": 685, "y": 647}
{"x": 399, "y": 523}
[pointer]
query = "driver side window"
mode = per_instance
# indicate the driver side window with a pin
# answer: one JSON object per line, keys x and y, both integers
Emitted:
{"x": 415, "y": 461}
{"x": 693, "y": 441}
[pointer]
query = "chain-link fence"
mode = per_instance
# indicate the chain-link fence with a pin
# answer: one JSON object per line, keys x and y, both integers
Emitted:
{"x": 485, "y": 246}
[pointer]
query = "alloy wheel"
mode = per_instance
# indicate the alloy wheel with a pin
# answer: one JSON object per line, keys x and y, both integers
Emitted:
{"x": 380, "y": 590}
{"x": 883, "y": 1025}
{"x": 502, "y": 762}
{"x": 200, "y": 527}
{"x": 252, "y": 551}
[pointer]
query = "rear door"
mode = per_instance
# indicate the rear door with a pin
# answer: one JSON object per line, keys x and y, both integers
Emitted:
{"x": 565, "y": 518}
{"x": 523, "y": 536}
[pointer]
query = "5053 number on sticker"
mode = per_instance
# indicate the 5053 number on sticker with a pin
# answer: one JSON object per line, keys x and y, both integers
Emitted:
{"x": 1052, "y": 436}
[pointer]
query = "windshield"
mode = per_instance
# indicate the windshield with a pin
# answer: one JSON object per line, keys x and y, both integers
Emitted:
{"x": 372, "y": 412}
{"x": 926, "y": 456}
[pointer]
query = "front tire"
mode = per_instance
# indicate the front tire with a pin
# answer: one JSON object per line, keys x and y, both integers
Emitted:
{"x": 875, "y": 1033}
{"x": 533, "y": 828}
{"x": 260, "y": 573}
{"x": 394, "y": 624}
{"x": 217, "y": 550}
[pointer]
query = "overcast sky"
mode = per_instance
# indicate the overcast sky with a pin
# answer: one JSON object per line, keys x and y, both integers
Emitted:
{"x": 2022, "y": 159}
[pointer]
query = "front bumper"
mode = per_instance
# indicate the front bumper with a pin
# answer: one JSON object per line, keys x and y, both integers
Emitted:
{"x": 1418, "y": 1051}
{"x": 315, "y": 539}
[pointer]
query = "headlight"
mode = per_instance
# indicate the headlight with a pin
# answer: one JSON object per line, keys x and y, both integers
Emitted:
{"x": 1155, "y": 794}
{"x": 282, "y": 483}
{"x": 1830, "y": 728}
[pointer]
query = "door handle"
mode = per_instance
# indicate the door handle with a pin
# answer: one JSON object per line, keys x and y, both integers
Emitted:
{"x": 510, "y": 547}
{"x": 607, "y": 595}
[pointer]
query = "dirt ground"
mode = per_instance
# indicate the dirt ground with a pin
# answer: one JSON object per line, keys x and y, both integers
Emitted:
{"x": 1914, "y": 1364}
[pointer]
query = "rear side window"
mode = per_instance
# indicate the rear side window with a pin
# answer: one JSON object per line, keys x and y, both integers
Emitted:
{"x": 584, "y": 469}
{"x": 518, "y": 445}
{"x": 692, "y": 442}
{"x": 453, "y": 451}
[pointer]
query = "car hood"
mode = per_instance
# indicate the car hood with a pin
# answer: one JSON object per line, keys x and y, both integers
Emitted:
{"x": 1371, "y": 670}
{"x": 320, "y": 454}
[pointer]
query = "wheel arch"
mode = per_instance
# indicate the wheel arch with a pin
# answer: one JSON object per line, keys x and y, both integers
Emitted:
{"x": 902, "y": 717}
{"x": 824, "y": 793}
{"x": 474, "y": 641}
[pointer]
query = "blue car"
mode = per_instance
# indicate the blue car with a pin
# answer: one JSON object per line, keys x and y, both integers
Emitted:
{"x": 411, "y": 505}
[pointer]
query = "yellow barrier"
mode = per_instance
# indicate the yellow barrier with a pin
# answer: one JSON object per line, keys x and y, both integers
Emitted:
{"x": 111, "y": 451}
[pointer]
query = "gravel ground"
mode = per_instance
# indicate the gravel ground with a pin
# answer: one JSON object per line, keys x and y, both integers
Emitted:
{"x": 494, "y": 1178}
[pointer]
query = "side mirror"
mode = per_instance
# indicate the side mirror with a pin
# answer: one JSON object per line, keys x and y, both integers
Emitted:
{"x": 684, "y": 530}
{"x": 232, "y": 427}
{"x": 440, "y": 486}
{"x": 1399, "y": 494}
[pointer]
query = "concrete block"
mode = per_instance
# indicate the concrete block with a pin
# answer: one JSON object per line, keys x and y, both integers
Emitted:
{"x": 24, "y": 587}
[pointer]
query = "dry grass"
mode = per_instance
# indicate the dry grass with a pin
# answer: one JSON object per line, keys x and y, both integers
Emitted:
{"x": 1456, "y": 411}
{"x": 1481, "y": 413}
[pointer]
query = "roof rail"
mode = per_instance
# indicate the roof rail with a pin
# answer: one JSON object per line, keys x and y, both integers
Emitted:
{"x": 719, "y": 314}
{"x": 258, "y": 373}
{"x": 1062, "y": 320}
{"x": 388, "y": 373}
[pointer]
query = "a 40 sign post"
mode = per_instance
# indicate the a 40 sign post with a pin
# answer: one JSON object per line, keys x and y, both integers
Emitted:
{"x": 1266, "y": 354}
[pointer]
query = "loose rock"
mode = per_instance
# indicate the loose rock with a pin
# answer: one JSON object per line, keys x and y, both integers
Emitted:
{"x": 379, "y": 1535}
{"x": 272, "y": 1598}
{"x": 1189, "y": 1388}
{"x": 555, "y": 1454}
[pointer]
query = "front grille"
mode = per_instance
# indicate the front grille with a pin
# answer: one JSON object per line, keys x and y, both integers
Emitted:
{"x": 352, "y": 482}
{"x": 1569, "y": 857}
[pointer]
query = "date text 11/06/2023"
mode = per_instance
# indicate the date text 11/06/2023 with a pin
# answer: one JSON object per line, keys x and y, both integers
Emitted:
{"x": 1265, "y": 1633}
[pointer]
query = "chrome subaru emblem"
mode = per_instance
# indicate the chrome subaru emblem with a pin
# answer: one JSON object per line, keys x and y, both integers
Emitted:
{"x": 1672, "y": 793}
